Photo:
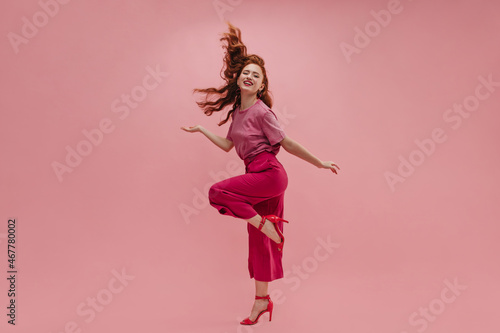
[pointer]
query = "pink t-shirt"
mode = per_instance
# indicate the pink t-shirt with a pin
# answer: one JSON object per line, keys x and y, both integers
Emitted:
{"x": 255, "y": 130}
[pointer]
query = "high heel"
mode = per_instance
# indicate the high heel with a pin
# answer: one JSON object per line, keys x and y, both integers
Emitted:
{"x": 269, "y": 309}
{"x": 274, "y": 219}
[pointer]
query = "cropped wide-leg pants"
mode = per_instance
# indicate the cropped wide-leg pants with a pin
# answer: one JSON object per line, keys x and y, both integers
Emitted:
{"x": 260, "y": 191}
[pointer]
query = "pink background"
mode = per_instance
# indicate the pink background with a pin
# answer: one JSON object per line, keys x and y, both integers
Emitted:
{"x": 396, "y": 248}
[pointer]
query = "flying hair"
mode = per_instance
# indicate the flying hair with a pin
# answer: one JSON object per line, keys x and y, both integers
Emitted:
{"x": 235, "y": 59}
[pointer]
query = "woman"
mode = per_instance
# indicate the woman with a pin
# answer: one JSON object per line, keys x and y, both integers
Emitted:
{"x": 257, "y": 196}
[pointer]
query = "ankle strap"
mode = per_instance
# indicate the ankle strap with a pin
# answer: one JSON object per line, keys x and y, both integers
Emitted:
{"x": 262, "y": 297}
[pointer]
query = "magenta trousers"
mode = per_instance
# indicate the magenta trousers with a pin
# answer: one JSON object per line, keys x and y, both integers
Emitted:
{"x": 259, "y": 191}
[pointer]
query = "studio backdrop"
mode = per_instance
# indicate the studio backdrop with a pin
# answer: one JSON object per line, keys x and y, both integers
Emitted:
{"x": 105, "y": 223}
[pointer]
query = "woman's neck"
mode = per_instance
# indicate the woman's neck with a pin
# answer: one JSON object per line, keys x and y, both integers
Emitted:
{"x": 248, "y": 101}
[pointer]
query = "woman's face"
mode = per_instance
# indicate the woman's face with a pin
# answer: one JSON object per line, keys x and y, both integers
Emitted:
{"x": 250, "y": 79}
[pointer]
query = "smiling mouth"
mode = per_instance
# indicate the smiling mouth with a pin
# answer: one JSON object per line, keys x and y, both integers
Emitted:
{"x": 247, "y": 83}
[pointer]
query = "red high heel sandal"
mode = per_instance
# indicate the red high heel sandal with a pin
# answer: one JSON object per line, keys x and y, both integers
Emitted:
{"x": 269, "y": 309}
{"x": 274, "y": 219}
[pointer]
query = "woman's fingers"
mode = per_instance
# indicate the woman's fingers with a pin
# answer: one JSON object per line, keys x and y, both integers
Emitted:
{"x": 188, "y": 129}
{"x": 333, "y": 167}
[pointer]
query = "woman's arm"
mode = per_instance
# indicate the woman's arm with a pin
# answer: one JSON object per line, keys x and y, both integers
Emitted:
{"x": 295, "y": 148}
{"x": 219, "y": 141}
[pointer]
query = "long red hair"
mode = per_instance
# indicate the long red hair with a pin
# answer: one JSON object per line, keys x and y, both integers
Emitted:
{"x": 235, "y": 59}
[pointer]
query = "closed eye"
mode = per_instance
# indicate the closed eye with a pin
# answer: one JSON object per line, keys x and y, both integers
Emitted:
{"x": 257, "y": 75}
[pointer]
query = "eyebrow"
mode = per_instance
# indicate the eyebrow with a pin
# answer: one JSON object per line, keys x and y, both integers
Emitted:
{"x": 247, "y": 70}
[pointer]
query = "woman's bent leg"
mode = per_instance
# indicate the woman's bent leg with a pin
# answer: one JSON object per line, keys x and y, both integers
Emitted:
{"x": 238, "y": 195}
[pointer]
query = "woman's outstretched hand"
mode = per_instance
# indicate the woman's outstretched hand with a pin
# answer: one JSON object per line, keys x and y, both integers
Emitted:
{"x": 330, "y": 165}
{"x": 219, "y": 141}
{"x": 192, "y": 129}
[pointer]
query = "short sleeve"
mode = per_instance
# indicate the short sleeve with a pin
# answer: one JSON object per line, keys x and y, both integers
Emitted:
{"x": 272, "y": 128}
{"x": 229, "y": 132}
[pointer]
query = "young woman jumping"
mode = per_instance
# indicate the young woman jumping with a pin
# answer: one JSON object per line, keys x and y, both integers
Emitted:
{"x": 257, "y": 196}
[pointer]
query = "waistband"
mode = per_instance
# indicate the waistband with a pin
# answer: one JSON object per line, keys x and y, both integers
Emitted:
{"x": 263, "y": 154}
